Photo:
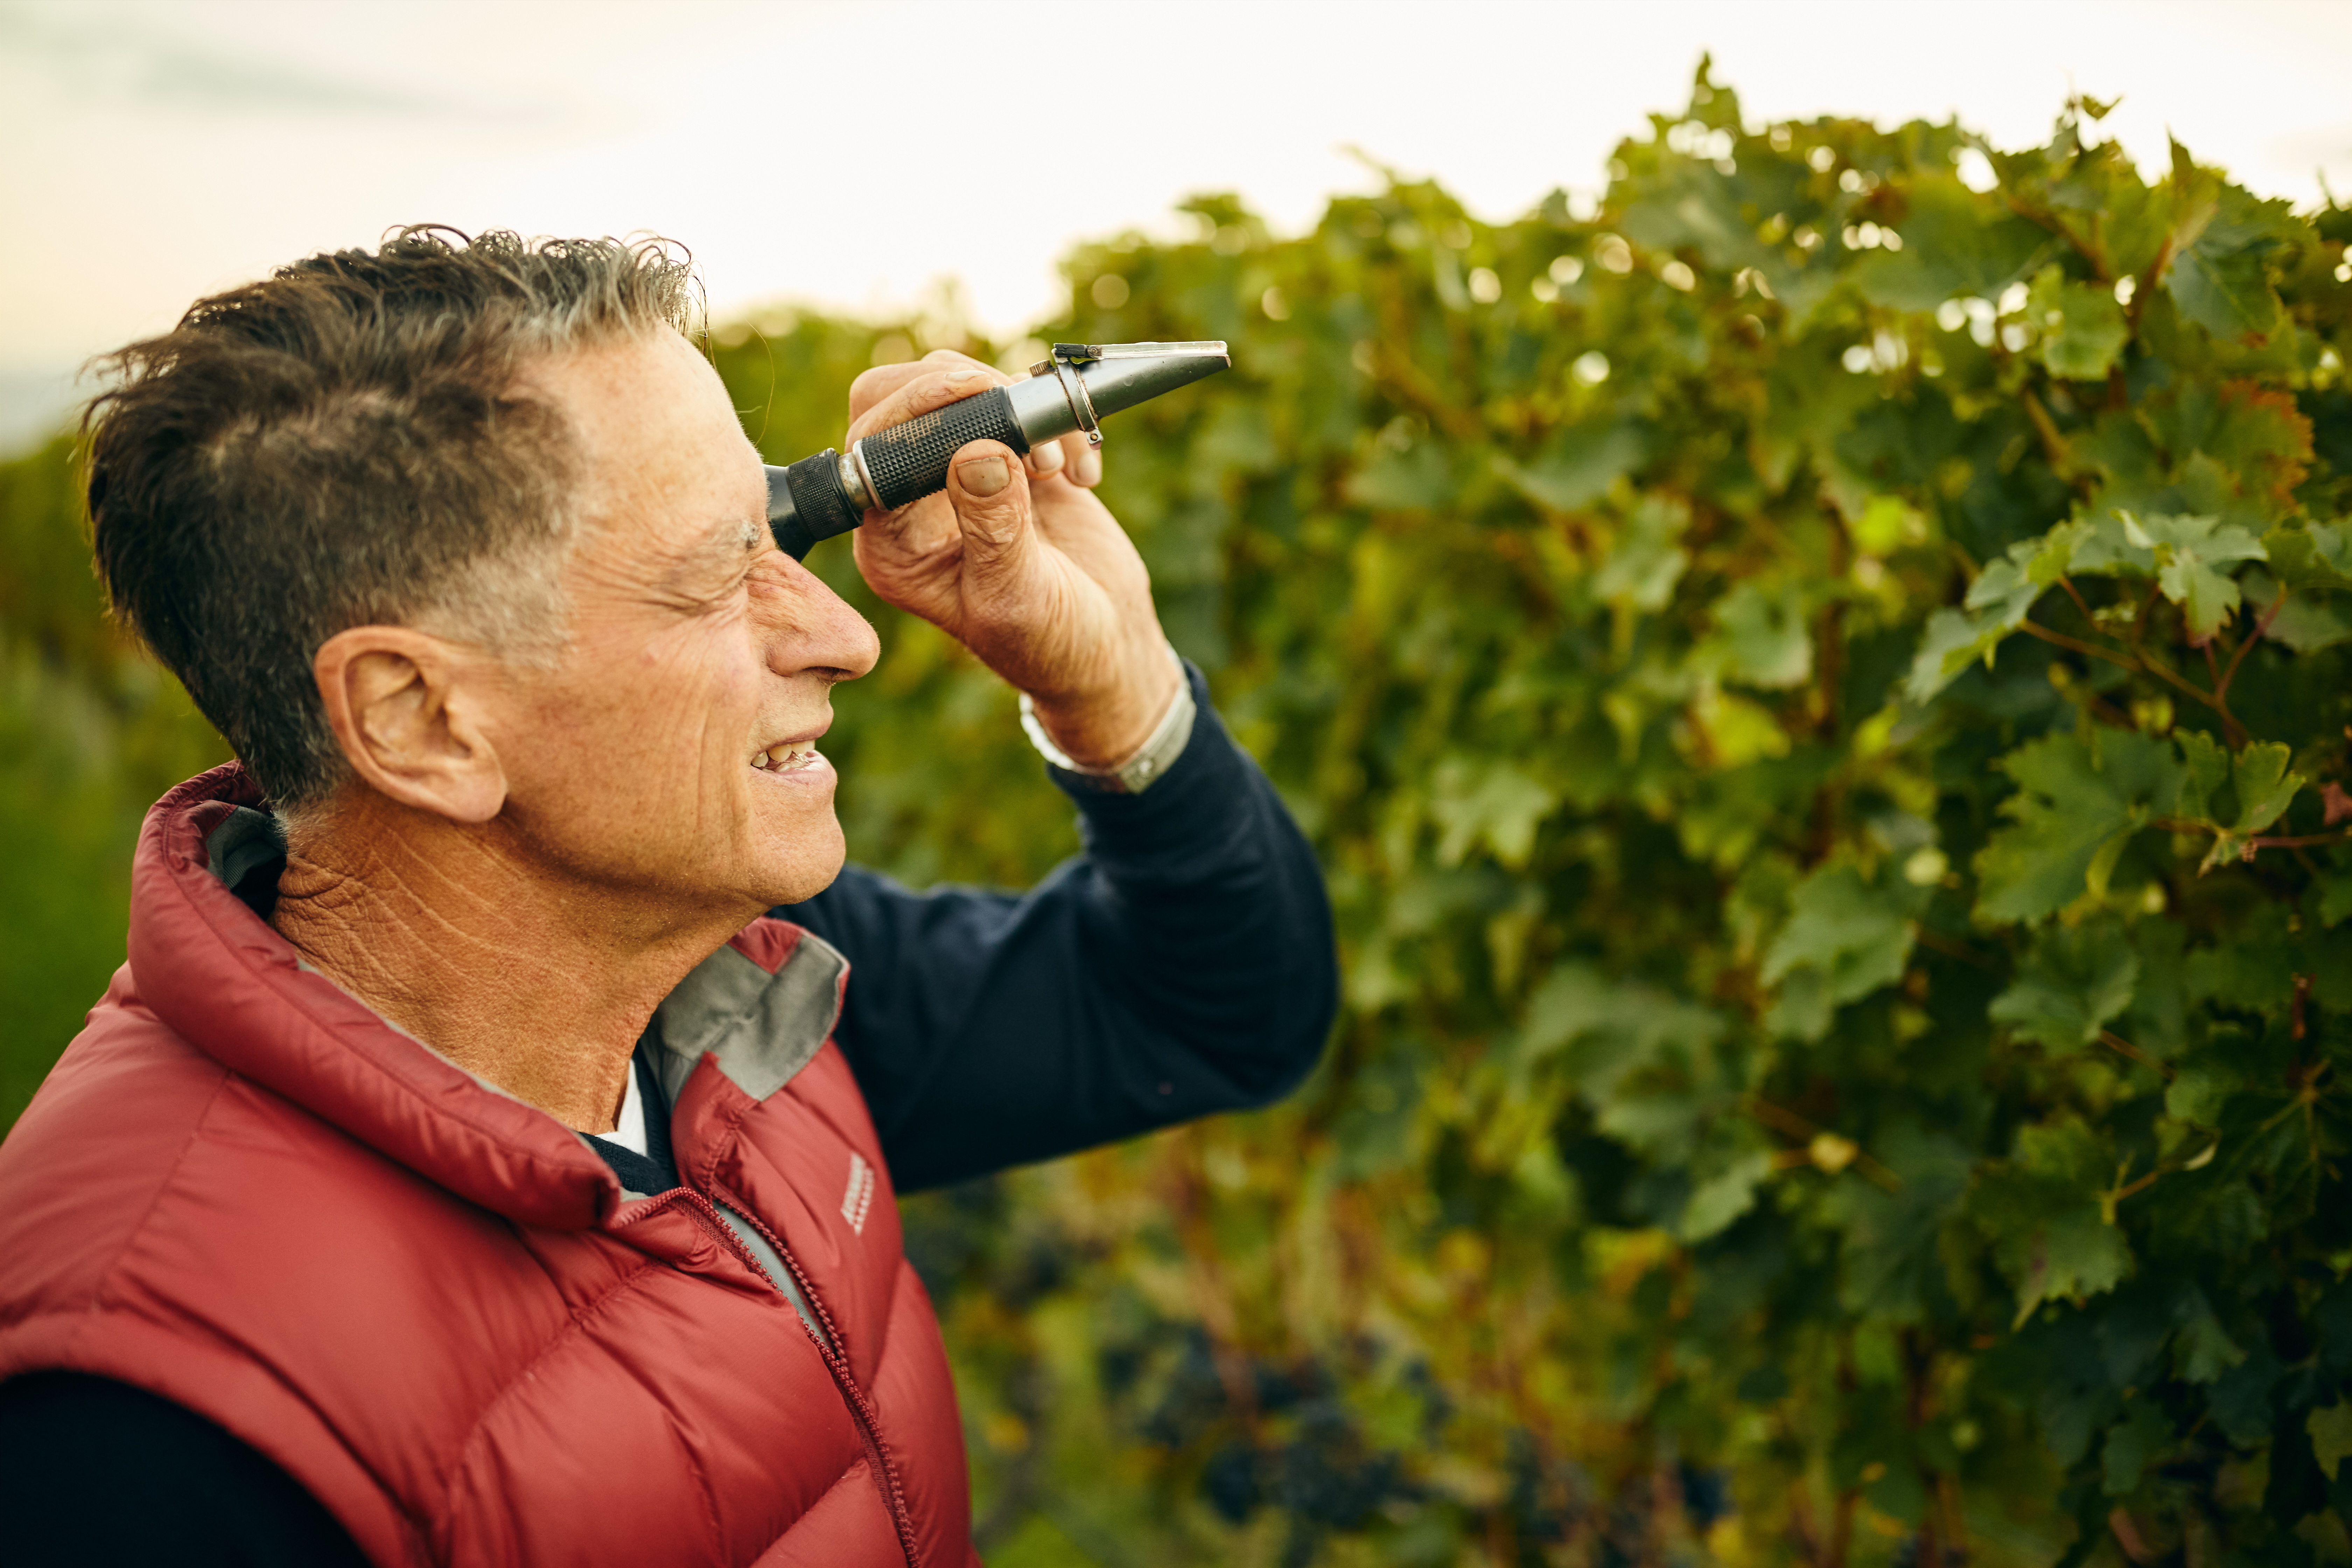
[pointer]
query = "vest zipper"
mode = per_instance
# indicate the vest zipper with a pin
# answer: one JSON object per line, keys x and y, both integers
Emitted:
{"x": 861, "y": 1411}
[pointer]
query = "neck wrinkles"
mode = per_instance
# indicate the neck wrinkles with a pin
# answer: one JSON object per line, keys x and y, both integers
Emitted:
{"x": 538, "y": 981}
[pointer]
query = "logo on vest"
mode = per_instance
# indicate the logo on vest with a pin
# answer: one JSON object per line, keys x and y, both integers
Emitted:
{"x": 860, "y": 1195}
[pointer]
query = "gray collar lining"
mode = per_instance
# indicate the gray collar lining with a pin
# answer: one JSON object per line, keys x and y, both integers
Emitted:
{"x": 763, "y": 1029}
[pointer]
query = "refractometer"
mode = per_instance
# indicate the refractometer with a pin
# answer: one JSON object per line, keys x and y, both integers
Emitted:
{"x": 830, "y": 493}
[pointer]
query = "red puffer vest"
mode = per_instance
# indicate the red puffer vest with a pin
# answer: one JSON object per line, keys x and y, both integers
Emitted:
{"x": 434, "y": 1307}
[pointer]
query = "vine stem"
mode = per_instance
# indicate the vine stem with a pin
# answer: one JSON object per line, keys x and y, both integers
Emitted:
{"x": 2300, "y": 841}
{"x": 2231, "y": 727}
{"x": 1788, "y": 1124}
{"x": 2262, "y": 629}
{"x": 2115, "y": 1042}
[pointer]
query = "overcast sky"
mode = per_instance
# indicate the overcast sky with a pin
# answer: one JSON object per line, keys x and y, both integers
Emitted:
{"x": 851, "y": 153}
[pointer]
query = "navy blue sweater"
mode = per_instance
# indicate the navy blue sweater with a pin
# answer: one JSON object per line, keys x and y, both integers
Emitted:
{"x": 1183, "y": 966}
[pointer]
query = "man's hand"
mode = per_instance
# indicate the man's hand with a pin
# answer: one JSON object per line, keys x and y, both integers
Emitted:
{"x": 1022, "y": 565}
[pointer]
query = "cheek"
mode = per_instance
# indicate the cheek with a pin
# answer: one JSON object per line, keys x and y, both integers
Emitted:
{"x": 656, "y": 720}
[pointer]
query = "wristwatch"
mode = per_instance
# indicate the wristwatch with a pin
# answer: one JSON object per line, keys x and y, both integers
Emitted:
{"x": 1140, "y": 772}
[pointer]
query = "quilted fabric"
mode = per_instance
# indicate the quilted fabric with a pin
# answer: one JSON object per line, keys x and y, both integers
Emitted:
{"x": 435, "y": 1306}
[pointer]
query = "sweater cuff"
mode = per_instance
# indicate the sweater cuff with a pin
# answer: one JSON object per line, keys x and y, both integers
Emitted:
{"x": 1193, "y": 799}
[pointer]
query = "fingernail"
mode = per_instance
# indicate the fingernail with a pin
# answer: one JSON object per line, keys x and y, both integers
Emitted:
{"x": 984, "y": 476}
{"x": 1046, "y": 458}
{"x": 1087, "y": 469}
{"x": 964, "y": 377}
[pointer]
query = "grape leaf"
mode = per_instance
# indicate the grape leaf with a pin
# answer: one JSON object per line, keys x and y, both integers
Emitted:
{"x": 1647, "y": 563}
{"x": 2042, "y": 1213}
{"x": 1960, "y": 244}
{"x": 1419, "y": 479}
{"x": 2075, "y": 981}
{"x": 2207, "y": 763}
{"x": 1953, "y": 640}
{"x": 2217, "y": 279}
{"x": 1578, "y": 466}
{"x": 2143, "y": 1434}
{"x": 1724, "y": 1196}
{"x": 2316, "y": 556}
{"x": 1997, "y": 605}
{"x": 2071, "y": 805}
{"x": 2188, "y": 552}
{"x": 1761, "y": 639}
{"x": 2082, "y": 328}
{"x": 2203, "y": 1350}
{"x": 2309, "y": 621}
{"x": 2259, "y": 786}
{"x": 1489, "y": 803}
{"x": 1845, "y": 938}
{"x": 2265, "y": 785}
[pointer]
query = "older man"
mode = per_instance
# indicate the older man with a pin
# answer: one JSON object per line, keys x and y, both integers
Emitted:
{"x": 487, "y": 1154}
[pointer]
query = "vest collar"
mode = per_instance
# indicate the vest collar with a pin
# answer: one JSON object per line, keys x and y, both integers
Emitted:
{"x": 757, "y": 1010}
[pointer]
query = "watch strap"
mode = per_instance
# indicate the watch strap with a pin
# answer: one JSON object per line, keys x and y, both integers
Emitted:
{"x": 1138, "y": 773}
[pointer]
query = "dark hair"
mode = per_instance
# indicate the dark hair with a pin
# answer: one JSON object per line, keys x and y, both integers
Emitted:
{"x": 344, "y": 444}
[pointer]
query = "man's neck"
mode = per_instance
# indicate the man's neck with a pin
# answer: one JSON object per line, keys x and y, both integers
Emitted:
{"x": 539, "y": 983}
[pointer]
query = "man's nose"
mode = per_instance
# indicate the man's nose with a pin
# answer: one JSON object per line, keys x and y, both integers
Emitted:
{"x": 810, "y": 628}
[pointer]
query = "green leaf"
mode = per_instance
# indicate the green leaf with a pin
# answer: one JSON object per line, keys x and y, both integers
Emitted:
{"x": 2310, "y": 621}
{"x": 1957, "y": 244}
{"x": 2266, "y": 786}
{"x": 1647, "y": 563}
{"x": 2199, "y": 1091}
{"x": 2254, "y": 971}
{"x": 2208, "y": 774}
{"x": 1887, "y": 1265}
{"x": 2077, "y": 979}
{"x": 2331, "y": 1435}
{"x": 1761, "y": 639}
{"x": 2218, "y": 280}
{"x": 1845, "y": 938}
{"x": 1418, "y": 478}
{"x": 2241, "y": 1398}
{"x": 2189, "y": 552}
{"x": 1724, "y": 1196}
{"x": 2082, "y": 328}
{"x": 1997, "y": 604}
{"x": 1579, "y": 465}
{"x": 1489, "y": 803}
{"x": 2316, "y": 557}
{"x": 2042, "y": 1212}
{"x": 1888, "y": 523}
{"x": 2203, "y": 1350}
{"x": 2105, "y": 547}
{"x": 2143, "y": 1434}
{"x": 2261, "y": 788}
{"x": 1953, "y": 641}
{"x": 2071, "y": 803}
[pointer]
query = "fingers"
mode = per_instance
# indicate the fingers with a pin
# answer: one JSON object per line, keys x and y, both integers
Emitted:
{"x": 872, "y": 386}
{"x": 990, "y": 492}
{"x": 933, "y": 388}
{"x": 1085, "y": 460}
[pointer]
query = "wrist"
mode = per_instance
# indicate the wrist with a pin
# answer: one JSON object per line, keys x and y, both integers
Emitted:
{"x": 1101, "y": 730}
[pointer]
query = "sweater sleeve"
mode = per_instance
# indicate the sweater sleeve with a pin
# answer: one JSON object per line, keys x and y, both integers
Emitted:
{"x": 97, "y": 1473}
{"x": 1183, "y": 965}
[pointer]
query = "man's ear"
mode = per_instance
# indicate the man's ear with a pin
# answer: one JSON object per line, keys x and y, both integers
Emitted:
{"x": 407, "y": 709}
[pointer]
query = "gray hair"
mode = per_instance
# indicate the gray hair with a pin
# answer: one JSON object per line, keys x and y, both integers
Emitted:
{"x": 345, "y": 444}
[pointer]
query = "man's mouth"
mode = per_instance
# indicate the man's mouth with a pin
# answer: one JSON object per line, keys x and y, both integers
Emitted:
{"x": 790, "y": 757}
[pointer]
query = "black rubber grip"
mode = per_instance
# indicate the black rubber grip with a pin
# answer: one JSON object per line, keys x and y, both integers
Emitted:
{"x": 909, "y": 461}
{"x": 820, "y": 509}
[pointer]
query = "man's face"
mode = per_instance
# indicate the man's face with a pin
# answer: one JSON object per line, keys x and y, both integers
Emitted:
{"x": 672, "y": 749}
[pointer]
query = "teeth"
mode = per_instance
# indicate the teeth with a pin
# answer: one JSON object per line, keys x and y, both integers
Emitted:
{"x": 786, "y": 759}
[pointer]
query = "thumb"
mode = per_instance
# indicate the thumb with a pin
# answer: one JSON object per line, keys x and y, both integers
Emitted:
{"x": 990, "y": 496}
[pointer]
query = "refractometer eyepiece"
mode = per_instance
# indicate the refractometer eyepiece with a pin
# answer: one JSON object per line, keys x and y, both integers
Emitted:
{"x": 831, "y": 492}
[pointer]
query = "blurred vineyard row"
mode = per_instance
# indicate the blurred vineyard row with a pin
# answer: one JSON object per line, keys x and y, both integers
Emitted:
{"x": 1819, "y": 681}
